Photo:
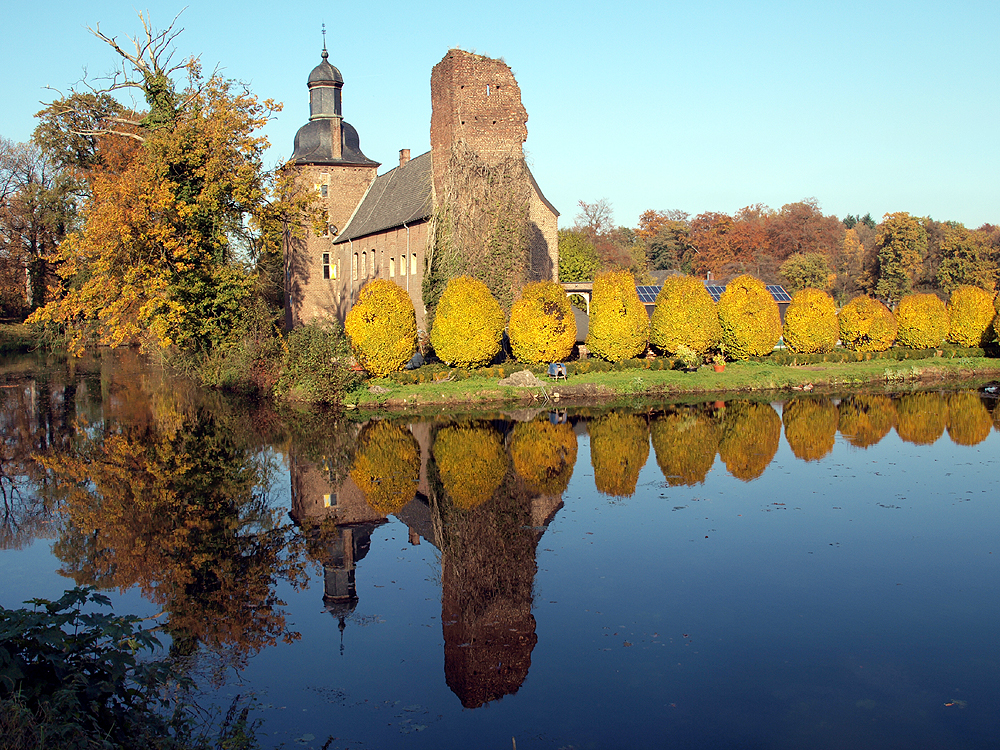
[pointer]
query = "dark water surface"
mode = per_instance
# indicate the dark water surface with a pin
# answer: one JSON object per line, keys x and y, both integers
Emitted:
{"x": 820, "y": 573}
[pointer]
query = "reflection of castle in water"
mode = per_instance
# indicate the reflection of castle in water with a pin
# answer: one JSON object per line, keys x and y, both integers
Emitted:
{"x": 487, "y": 558}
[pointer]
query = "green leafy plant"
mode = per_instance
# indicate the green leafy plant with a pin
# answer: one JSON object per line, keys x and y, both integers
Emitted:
{"x": 315, "y": 365}
{"x": 71, "y": 677}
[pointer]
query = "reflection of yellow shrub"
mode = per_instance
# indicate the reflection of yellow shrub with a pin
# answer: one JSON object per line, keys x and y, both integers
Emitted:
{"x": 968, "y": 419}
{"x": 865, "y": 420}
{"x": 382, "y": 327}
{"x": 468, "y": 323}
{"x": 921, "y": 417}
{"x": 866, "y": 325}
{"x": 748, "y": 314}
{"x": 619, "y": 447}
{"x": 922, "y": 321}
{"x": 810, "y": 427}
{"x": 685, "y": 314}
{"x": 811, "y": 322}
{"x": 750, "y": 436}
{"x": 471, "y": 463}
{"x": 619, "y": 326}
{"x": 971, "y": 315}
{"x": 685, "y": 443}
{"x": 542, "y": 325}
{"x": 386, "y": 466}
{"x": 544, "y": 455}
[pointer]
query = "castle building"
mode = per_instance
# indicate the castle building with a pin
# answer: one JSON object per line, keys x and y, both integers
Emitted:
{"x": 379, "y": 226}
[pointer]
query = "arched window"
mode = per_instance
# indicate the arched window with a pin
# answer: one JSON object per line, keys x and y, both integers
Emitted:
{"x": 354, "y": 268}
{"x": 364, "y": 265}
{"x": 392, "y": 268}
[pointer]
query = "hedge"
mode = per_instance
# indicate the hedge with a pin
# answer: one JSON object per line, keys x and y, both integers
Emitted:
{"x": 386, "y": 466}
{"x": 471, "y": 462}
{"x": 468, "y": 323}
{"x": 542, "y": 326}
{"x": 811, "y": 322}
{"x": 922, "y": 321}
{"x": 866, "y": 325}
{"x": 749, "y": 317}
{"x": 685, "y": 315}
{"x": 382, "y": 327}
{"x": 971, "y": 314}
{"x": 619, "y": 326}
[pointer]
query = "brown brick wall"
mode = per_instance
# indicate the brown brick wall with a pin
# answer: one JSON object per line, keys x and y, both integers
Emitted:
{"x": 308, "y": 295}
{"x": 476, "y": 101}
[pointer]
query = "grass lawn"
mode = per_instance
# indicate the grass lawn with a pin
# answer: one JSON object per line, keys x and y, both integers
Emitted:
{"x": 738, "y": 377}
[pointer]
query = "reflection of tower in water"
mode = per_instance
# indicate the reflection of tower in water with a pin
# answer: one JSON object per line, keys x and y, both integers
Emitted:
{"x": 347, "y": 546}
{"x": 487, "y": 575}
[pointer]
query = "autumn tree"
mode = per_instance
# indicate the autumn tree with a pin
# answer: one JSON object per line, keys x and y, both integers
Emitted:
{"x": 805, "y": 270}
{"x": 179, "y": 202}
{"x": 35, "y": 212}
{"x": 802, "y": 228}
{"x": 965, "y": 260}
{"x": 666, "y": 236}
{"x": 900, "y": 246}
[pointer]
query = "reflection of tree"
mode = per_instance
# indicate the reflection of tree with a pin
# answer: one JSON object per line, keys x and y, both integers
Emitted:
{"x": 750, "y": 436}
{"x": 619, "y": 447}
{"x": 176, "y": 506}
{"x": 685, "y": 441}
{"x": 386, "y": 466}
{"x": 865, "y": 420}
{"x": 968, "y": 419}
{"x": 810, "y": 427}
{"x": 471, "y": 462}
{"x": 544, "y": 455}
{"x": 487, "y": 574}
{"x": 921, "y": 417}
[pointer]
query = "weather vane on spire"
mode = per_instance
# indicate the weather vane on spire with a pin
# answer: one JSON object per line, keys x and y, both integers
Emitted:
{"x": 324, "y": 36}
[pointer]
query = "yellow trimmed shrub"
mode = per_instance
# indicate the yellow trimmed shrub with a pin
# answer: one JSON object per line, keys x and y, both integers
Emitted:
{"x": 468, "y": 324}
{"x": 471, "y": 462}
{"x": 382, "y": 327}
{"x": 971, "y": 314}
{"x": 866, "y": 325}
{"x": 685, "y": 442}
{"x": 749, "y": 317}
{"x": 544, "y": 455}
{"x": 619, "y": 326}
{"x": 750, "y": 436}
{"x": 921, "y": 417}
{"x": 685, "y": 315}
{"x": 865, "y": 420}
{"x": 969, "y": 420}
{"x": 810, "y": 426}
{"x": 922, "y": 321}
{"x": 811, "y": 322}
{"x": 542, "y": 326}
{"x": 619, "y": 448}
{"x": 386, "y": 466}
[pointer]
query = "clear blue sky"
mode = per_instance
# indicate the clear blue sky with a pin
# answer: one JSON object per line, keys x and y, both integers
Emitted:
{"x": 712, "y": 106}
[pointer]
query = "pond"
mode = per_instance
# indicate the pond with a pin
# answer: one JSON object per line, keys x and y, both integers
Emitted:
{"x": 822, "y": 572}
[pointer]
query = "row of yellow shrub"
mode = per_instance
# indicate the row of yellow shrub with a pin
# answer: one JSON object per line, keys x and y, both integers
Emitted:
{"x": 469, "y": 323}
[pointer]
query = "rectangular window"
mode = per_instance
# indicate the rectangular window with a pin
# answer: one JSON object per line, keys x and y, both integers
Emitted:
{"x": 402, "y": 265}
{"x": 324, "y": 190}
{"x": 364, "y": 265}
{"x": 335, "y": 269}
{"x": 413, "y": 264}
{"x": 354, "y": 268}
{"x": 392, "y": 268}
{"x": 326, "y": 265}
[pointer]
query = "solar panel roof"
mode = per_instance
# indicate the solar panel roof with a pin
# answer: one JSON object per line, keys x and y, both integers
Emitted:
{"x": 648, "y": 294}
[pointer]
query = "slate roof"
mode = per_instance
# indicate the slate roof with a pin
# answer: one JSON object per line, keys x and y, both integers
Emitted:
{"x": 400, "y": 196}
